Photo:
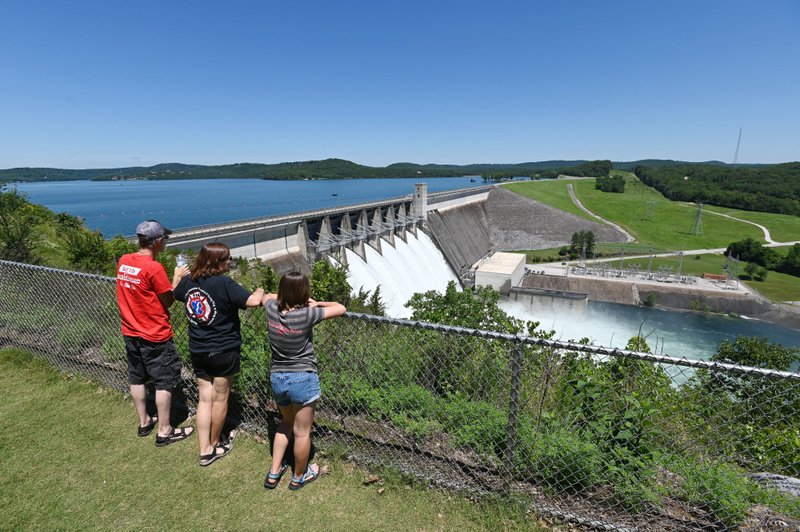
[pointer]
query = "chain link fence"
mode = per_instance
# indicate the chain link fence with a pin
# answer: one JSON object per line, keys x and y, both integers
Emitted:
{"x": 606, "y": 438}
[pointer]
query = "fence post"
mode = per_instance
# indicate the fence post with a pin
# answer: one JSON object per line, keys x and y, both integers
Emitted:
{"x": 513, "y": 406}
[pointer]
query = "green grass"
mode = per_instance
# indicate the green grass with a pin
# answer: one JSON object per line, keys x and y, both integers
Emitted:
{"x": 70, "y": 460}
{"x": 782, "y": 227}
{"x": 552, "y": 192}
{"x": 673, "y": 222}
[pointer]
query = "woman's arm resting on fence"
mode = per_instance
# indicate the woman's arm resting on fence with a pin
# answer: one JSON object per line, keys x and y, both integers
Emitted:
{"x": 331, "y": 309}
{"x": 256, "y": 298}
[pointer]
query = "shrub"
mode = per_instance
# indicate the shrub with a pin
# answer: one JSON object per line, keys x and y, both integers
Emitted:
{"x": 560, "y": 459}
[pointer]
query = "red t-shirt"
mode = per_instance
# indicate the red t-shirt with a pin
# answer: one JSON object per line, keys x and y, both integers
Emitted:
{"x": 139, "y": 281}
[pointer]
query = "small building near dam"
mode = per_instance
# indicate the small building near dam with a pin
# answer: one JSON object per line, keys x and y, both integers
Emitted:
{"x": 501, "y": 271}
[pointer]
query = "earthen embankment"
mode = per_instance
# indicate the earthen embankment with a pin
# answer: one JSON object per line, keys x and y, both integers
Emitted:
{"x": 506, "y": 221}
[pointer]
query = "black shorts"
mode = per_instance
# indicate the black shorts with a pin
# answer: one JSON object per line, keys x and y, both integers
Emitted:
{"x": 157, "y": 360}
{"x": 216, "y": 363}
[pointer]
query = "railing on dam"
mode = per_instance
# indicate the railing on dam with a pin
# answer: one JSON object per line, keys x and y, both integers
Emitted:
{"x": 599, "y": 436}
{"x": 249, "y": 223}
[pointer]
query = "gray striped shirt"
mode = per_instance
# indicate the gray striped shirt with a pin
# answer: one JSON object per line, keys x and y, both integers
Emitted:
{"x": 291, "y": 338}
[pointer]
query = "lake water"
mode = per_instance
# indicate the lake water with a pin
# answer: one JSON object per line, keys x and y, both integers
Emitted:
{"x": 116, "y": 207}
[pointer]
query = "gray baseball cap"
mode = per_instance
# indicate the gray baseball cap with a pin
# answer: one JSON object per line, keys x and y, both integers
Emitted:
{"x": 152, "y": 229}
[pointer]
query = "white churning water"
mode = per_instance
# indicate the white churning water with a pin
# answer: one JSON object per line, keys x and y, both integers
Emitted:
{"x": 402, "y": 270}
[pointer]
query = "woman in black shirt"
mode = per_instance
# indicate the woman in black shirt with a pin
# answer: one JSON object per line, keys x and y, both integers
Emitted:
{"x": 212, "y": 302}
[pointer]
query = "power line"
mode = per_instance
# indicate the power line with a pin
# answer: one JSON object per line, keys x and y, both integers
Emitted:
{"x": 738, "y": 142}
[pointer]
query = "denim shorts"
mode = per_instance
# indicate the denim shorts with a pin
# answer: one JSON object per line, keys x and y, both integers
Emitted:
{"x": 295, "y": 387}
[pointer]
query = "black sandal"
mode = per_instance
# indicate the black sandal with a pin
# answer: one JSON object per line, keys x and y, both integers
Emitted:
{"x": 147, "y": 429}
{"x": 175, "y": 435}
{"x": 208, "y": 459}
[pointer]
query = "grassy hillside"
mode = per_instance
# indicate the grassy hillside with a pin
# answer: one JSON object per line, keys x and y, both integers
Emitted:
{"x": 673, "y": 221}
{"x": 85, "y": 469}
{"x": 671, "y": 228}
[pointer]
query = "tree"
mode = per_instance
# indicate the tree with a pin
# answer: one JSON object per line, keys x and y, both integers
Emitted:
{"x": 464, "y": 309}
{"x": 614, "y": 183}
{"x": 750, "y": 269}
{"x": 579, "y": 240}
{"x": 791, "y": 263}
{"x": 18, "y": 221}
{"x": 329, "y": 283}
{"x": 87, "y": 251}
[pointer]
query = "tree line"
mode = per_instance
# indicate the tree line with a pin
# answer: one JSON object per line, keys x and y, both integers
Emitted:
{"x": 772, "y": 188}
{"x": 332, "y": 169}
{"x": 322, "y": 169}
{"x": 760, "y": 258}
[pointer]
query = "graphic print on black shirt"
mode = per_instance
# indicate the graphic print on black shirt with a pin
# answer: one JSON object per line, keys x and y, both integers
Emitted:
{"x": 200, "y": 306}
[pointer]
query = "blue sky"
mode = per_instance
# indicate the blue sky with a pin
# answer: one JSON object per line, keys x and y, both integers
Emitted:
{"x": 107, "y": 84}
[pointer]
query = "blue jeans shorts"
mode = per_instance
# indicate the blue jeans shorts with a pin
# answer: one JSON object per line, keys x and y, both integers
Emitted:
{"x": 295, "y": 387}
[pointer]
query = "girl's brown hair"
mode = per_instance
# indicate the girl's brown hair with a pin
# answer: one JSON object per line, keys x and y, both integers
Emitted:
{"x": 212, "y": 260}
{"x": 294, "y": 290}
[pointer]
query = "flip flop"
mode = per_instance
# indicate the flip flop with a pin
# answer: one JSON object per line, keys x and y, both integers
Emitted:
{"x": 175, "y": 435}
{"x": 147, "y": 429}
{"x": 273, "y": 479}
{"x": 208, "y": 459}
{"x": 308, "y": 476}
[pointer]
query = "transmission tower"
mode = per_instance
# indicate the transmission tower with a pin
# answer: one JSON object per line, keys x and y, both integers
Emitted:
{"x": 680, "y": 263}
{"x": 698, "y": 221}
{"x": 650, "y": 213}
{"x": 650, "y": 263}
{"x": 738, "y": 142}
{"x": 582, "y": 263}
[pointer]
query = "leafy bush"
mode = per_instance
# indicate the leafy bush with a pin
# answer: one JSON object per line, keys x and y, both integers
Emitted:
{"x": 560, "y": 459}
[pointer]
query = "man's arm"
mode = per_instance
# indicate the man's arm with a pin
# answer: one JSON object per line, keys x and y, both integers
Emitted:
{"x": 167, "y": 298}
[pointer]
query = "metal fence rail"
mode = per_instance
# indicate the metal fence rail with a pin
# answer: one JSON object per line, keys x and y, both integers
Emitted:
{"x": 604, "y": 437}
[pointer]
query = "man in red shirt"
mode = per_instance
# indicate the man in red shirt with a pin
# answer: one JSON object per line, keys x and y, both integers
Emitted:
{"x": 144, "y": 295}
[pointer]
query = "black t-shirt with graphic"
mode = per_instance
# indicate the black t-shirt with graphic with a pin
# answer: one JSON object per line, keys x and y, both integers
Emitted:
{"x": 212, "y": 305}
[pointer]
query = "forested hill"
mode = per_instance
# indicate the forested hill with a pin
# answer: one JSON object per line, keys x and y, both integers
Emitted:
{"x": 769, "y": 188}
{"x": 325, "y": 169}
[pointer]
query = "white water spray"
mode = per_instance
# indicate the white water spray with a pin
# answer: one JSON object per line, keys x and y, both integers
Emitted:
{"x": 402, "y": 270}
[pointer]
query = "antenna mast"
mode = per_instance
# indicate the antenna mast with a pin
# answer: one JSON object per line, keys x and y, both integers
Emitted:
{"x": 738, "y": 142}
